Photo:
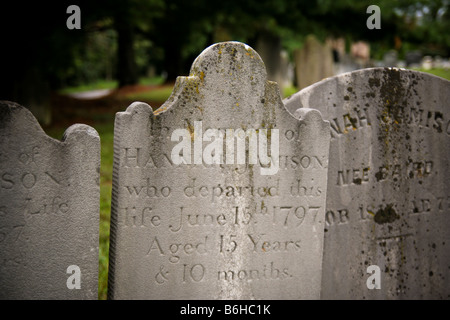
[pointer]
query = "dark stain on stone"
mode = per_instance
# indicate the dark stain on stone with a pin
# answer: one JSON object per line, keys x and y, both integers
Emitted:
{"x": 354, "y": 122}
{"x": 374, "y": 82}
{"x": 393, "y": 89}
{"x": 379, "y": 176}
{"x": 346, "y": 98}
{"x": 386, "y": 215}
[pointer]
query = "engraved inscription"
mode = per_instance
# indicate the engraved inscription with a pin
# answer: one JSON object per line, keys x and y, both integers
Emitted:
{"x": 395, "y": 173}
{"x": 386, "y": 213}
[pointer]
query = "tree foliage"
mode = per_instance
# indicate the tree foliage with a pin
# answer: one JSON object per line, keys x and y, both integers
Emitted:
{"x": 121, "y": 38}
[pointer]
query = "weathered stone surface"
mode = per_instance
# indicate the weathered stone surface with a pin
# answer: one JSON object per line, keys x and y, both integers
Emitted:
{"x": 388, "y": 198}
{"x": 218, "y": 231}
{"x": 49, "y": 208}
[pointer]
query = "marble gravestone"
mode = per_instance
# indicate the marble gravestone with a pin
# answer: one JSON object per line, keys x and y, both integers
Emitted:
{"x": 388, "y": 198}
{"x": 220, "y": 193}
{"x": 49, "y": 209}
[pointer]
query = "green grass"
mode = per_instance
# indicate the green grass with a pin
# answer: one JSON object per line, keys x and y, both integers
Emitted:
{"x": 151, "y": 81}
{"x": 106, "y": 84}
{"x": 443, "y": 73}
{"x": 106, "y": 132}
{"x": 102, "y": 84}
{"x": 288, "y": 91}
{"x": 156, "y": 95}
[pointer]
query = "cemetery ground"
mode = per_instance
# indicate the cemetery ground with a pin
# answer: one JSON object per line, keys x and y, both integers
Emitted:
{"x": 100, "y": 113}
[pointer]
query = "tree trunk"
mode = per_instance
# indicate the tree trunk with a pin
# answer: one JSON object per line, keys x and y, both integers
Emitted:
{"x": 172, "y": 59}
{"x": 126, "y": 69}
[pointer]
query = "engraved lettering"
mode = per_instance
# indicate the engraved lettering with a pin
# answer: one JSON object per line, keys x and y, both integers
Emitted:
{"x": 133, "y": 218}
{"x": 268, "y": 272}
{"x": 7, "y": 182}
{"x": 353, "y": 176}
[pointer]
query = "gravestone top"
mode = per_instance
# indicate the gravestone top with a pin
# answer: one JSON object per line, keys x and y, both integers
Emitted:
{"x": 388, "y": 196}
{"x": 49, "y": 209}
{"x": 220, "y": 193}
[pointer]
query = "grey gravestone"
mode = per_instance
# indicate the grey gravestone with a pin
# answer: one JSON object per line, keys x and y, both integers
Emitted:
{"x": 388, "y": 198}
{"x": 390, "y": 58}
{"x": 236, "y": 230}
{"x": 413, "y": 59}
{"x": 427, "y": 62}
{"x": 49, "y": 209}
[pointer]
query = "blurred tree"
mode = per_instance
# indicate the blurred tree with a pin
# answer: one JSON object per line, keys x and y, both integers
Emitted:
{"x": 425, "y": 24}
{"x": 37, "y": 48}
{"x": 40, "y": 54}
{"x": 183, "y": 28}
{"x": 131, "y": 17}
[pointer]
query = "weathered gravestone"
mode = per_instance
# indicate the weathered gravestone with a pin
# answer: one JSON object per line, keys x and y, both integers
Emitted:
{"x": 49, "y": 209}
{"x": 199, "y": 211}
{"x": 388, "y": 200}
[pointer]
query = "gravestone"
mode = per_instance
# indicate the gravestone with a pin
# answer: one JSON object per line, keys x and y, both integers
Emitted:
{"x": 220, "y": 193}
{"x": 413, "y": 59}
{"x": 390, "y": 58}
{"x": 427, "y": 62}
{"x": 313, "y": 62}
{"x": 388, "y": 201}
{"x": 49, "y": 209}
{"x": 360, "y": 52}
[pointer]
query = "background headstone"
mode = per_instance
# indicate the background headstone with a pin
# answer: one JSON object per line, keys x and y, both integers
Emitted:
{"x": 313, "y": 62}
{"x": 390, "y": 58}
{"x": 388, "y": 198}
{"x": 413, "y": 59}
{"x": 49, "y": 209}
{"x": 360, "y": 51}
{"x": 218, "y": 231}
{"x": 427, "y": 62}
